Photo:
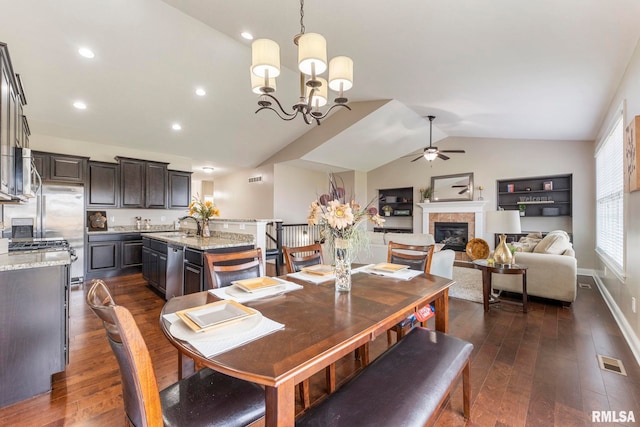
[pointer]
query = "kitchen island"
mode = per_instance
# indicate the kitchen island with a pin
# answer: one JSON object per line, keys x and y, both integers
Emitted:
{"x": 34, "y": 301}
{"x": 173, "y": 262}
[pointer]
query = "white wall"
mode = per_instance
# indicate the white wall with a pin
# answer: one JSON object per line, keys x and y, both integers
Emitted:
{"x": 295, "y": 188}
{"x": 237, "y": 198}
{"x": 491, "y": 160}
{"x": 622, "y": 291}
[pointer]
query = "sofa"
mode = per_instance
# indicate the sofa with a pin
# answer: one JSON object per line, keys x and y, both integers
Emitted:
{"x": 376, "y": 251}
{"x": 552, "y": 267}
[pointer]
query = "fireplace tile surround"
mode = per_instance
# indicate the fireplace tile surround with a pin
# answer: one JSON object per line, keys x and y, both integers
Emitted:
{"x": 471, "y": 212}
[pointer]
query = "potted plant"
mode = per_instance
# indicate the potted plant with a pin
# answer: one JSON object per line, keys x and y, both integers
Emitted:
{"x": 426, "y": 194}
{"x": 522, "y": 208}
{"x": 387, "y": 210}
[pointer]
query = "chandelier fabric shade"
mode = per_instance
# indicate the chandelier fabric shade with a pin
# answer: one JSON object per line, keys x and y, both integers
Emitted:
{"x": 341, "y": 73}
{"x": 312, "y": 61}
{"x": 312, "y": 54}
{"x": 265, "y": 58}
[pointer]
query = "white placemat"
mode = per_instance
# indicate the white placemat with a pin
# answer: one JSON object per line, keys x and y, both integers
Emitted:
{"x": 316, "y": 279}
{"x": 219, "y": 344}
{"x": 250, "y": 296}
{"x": 406, "y": 274}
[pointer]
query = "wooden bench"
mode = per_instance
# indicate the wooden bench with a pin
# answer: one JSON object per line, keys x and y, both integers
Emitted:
{"x": 406, "y": 386}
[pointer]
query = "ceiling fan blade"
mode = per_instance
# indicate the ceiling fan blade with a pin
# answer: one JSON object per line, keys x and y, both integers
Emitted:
{"x": 442, "y": 156}
{"x": 418, "y": 158}
{"x": 459, "y": 186}
{"x": 452, "y": 151}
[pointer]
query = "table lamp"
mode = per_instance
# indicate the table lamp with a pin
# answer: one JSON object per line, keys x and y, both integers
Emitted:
{"x": 504, "y": 222}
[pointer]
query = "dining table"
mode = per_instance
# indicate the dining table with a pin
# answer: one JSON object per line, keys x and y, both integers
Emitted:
{"x": 321, "y": 326}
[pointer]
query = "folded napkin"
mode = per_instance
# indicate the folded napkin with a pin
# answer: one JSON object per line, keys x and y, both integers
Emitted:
{"x": 220, "y": 343}
{"x": 405, "y": 274}
{"x": 241, "y": 296}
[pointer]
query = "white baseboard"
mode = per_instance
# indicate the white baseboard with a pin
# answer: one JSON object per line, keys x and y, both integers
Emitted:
{"x": 628, "y": 332}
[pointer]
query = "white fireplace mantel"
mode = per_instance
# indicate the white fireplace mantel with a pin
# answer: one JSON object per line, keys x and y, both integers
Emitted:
{"x": 472, "y": 206}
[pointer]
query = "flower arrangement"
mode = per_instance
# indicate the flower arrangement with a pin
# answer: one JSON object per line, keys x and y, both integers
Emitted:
{"x": 203, "y": 210}
{"x": 338, "y": 218}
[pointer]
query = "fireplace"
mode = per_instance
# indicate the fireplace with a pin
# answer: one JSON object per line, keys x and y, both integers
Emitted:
{"x": 454, "y": 235}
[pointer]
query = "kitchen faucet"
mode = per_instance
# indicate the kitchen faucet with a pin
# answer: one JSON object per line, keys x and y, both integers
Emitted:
{"x": 198, "y": 229}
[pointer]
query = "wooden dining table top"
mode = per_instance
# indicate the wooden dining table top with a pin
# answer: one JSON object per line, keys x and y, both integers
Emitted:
{"x": 321, "y": 326}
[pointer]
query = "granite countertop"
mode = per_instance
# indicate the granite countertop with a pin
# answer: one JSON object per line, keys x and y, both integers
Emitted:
{"x": 21, "y": 260}
{"x": 218, "y": 239}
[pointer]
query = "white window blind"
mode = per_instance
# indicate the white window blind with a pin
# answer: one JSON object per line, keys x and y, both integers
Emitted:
{"x": 609, "y": 198}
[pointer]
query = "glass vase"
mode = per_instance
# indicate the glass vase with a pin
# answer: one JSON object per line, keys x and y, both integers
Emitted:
{"x": 205, "y": 228}
{"x": 342, "y": 259}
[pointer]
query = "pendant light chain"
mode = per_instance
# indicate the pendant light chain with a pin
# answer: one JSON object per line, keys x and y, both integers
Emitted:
{"x": 302, "y": 17}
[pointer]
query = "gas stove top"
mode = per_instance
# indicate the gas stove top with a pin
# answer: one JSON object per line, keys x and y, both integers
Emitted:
{"x": 43, "y": 245}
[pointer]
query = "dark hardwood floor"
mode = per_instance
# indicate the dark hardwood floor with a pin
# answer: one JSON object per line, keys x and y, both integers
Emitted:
{"x": 534, "y": 369}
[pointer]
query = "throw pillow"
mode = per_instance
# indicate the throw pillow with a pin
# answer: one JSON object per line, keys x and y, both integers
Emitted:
{"x": 555, "y": 243}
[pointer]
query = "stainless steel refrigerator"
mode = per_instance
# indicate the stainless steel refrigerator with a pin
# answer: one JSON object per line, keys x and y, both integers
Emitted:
{"x": 57, "y": 211}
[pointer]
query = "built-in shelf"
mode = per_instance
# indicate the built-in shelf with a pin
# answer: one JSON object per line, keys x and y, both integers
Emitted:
{"x": 540, "y": 196}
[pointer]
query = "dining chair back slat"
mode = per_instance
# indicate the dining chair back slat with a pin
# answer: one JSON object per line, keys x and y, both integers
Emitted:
{"x": 225, "y": 268}
{"x": 296, "y": 258}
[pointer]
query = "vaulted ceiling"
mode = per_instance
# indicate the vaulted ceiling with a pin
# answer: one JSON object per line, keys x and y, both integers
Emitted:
{"x": 486, "y": 68}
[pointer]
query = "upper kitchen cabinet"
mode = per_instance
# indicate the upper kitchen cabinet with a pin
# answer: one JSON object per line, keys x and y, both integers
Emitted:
{"x": 143, "y": 184}
{"x": 54, "y": 167}
{"x": 11, "y": 122}
{"x": 103, "y": 185}
{"x": 179, "y": 189}
{"x": 156, "y": 185}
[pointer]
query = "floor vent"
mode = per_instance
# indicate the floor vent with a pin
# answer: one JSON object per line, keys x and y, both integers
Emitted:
{"x": 584, "y": 286}
{"x": 612, "y": 365}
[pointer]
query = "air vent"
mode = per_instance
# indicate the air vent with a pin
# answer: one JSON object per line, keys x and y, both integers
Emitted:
{"x": 611, "y": 364}
{"x": 584, "y": 286}
{"x": 255, "y": 179}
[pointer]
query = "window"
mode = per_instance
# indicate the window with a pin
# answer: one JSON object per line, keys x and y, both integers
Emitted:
{"x": 609, "y": 199}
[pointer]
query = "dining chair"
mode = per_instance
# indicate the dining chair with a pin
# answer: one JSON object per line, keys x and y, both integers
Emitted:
{"x": 417, "y": 257}
{"x": 203, "y": 399}
{"x": 224, "y": 268}
{"x": 296, "y": 258}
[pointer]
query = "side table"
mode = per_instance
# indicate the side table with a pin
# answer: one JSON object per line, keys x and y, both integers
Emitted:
{"x": 487, "y": 270}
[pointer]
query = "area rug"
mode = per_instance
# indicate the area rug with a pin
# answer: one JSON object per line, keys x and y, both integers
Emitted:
{"x": 468, "y": 284}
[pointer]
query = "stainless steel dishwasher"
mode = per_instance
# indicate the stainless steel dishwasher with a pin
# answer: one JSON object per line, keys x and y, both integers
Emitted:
{"x": 175, "y": 263}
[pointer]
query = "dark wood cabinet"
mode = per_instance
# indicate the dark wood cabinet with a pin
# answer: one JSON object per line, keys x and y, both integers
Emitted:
{"x": 193, "y": 278}
{"x": 53, "y": 167}
{"x": 154, "y": 268}
{"x": 156, "y": 185}
{"x": 34, "y": 343}
{"x": 132, "y": 183}
{"x": 131, "y": 254}
{"x": 103, "y": 189}
{"x": 102, "y": 256}
{"x": 143, "y": 184}
{"x": 537, "y": 196}
{"x": 179, "y": 189}
{"x": 110, "y": 255}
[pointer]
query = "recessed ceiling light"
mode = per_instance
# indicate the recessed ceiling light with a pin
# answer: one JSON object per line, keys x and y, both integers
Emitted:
{"x": 246, "y": 35}
{"x": 201, "y": 92}
{"x": 80, "y": 105}
{"x": 86, "y": 52}
{"x": 176, "y": 126}
{"x": 207, "y": 169}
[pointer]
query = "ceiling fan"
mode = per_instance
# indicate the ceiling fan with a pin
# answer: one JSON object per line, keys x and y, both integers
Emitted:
{"x": 431, "y": 153}
{"x": 465, "y": 188}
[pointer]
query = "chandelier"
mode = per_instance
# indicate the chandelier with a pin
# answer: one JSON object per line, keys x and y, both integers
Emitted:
{"x": 312, "y": 61}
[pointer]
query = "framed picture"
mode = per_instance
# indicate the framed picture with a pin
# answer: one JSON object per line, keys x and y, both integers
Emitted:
{"x": 547, "y": 185}
{"x": 631, "y": 156}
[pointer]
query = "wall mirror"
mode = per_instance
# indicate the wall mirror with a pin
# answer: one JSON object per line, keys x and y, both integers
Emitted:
{"x": 449, "y": 188}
